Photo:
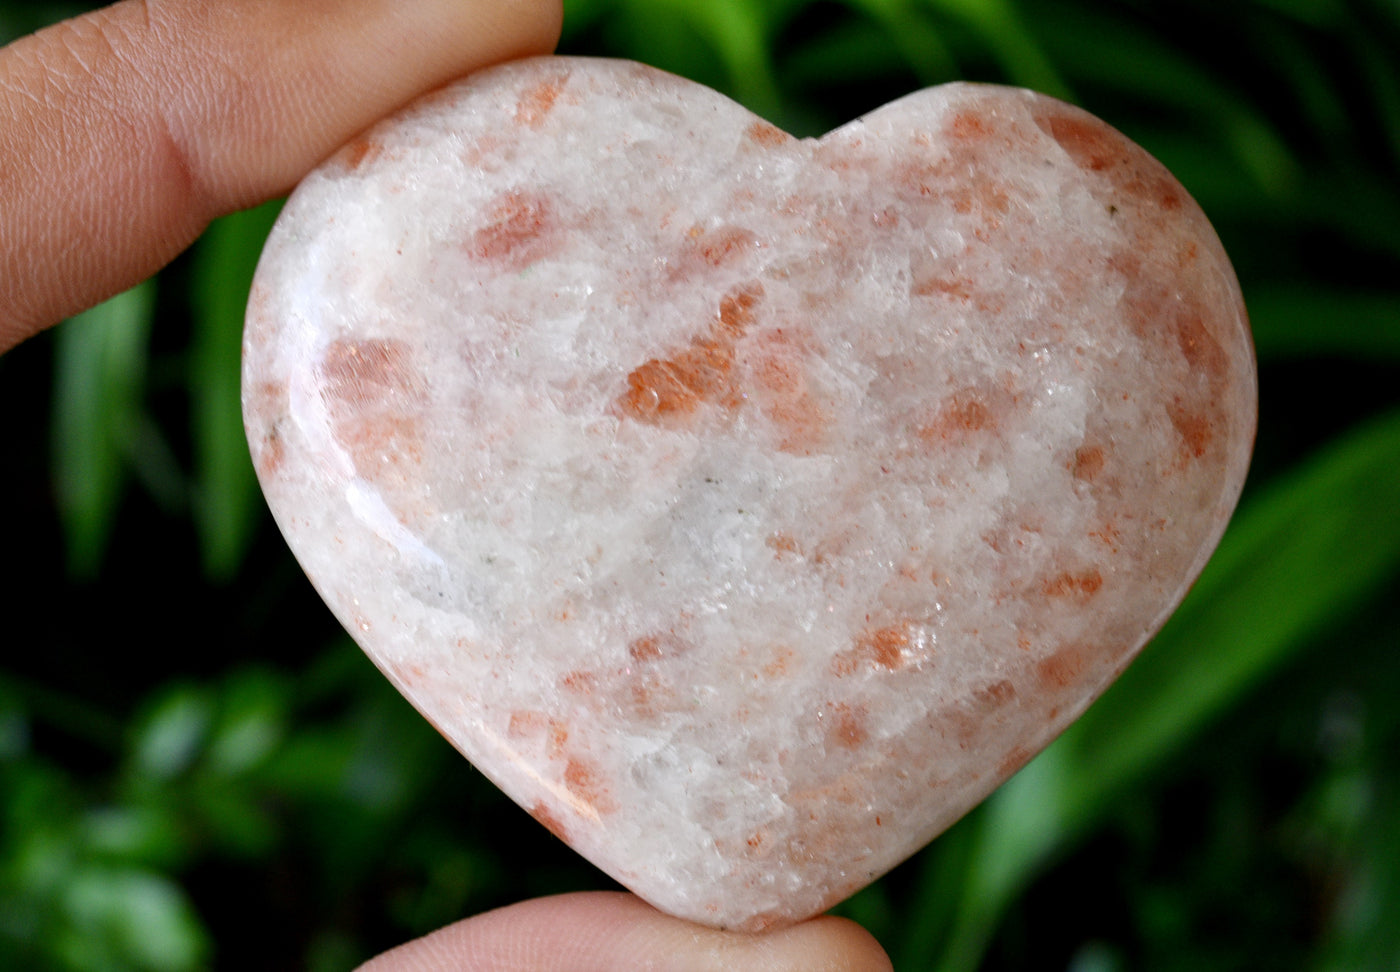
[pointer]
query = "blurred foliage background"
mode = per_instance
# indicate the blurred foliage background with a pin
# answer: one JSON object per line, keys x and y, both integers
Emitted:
{"x": 198, "y": 769}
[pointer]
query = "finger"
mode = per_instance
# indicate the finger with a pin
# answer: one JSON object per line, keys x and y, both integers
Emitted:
{"x": 123, "y": 132}
{"x": 606, "y": 932}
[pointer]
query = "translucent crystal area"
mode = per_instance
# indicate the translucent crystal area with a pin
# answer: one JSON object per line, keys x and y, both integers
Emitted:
{"x": 746, "y": 507}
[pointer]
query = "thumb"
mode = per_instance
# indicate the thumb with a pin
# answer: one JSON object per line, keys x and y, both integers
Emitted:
{"x": 123, "y": 132}
{"x": 609, "y": 932}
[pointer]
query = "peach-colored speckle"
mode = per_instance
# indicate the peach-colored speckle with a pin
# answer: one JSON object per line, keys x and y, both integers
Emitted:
{"x": 367, "y": 369}
{"x": 666, "y": 388}
{"x": 360, "y": 151}
{"x": 1091, "y": 145}
{"x": 538, "y": 101}
{"x": 534, "y": 726}
{"x": 371, "y": 386}
{"x": 1203, "y": 352}
{"x": 999, "y": 692}
{"x": 720, "y": 247}
{"x": 588, "y": 783}
{"x": 655, "y": 647}
{"x": 1088, "y": 462}
{"x": 1063, "y": 667}
{"x": 1080, "y": 585}
{"x": 1196, "y": 431}
{"x": 783, "y": 543}
{"x": 517, "y": 224}
{"x": 781, "y": 663}
{"x": 881, "y": 648}
{"x": 1013, "y": 761}
{"x": 937, "y": 286}
{"x": 845, "y": 726}
{"x": 579, "y": 683}
{"x": 969, "y": 125}
{"x": 541, "y": 812}
{"x": 769, "y": 136}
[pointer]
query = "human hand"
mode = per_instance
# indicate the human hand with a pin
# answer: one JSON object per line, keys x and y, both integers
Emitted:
{"x": 612, "y": 932}
{"x": 124, "y": 132}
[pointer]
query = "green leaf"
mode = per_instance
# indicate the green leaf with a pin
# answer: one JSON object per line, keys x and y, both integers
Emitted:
{"x": 41, "y": 704}
{"x": 130, "y": 919}
{"x": 858, "y": 51}
{"x": 100, "y": 361}
{"x": 251, "y": 723}
{"x": 914, "y": 35}
{"x": 147, "y": 834}
{"x": 1315, "y": 13}
{"x": 1377, "y": 62}
{"x": 1365, "y": 934}
{"x": 1315, "y": 545}
{"x": 227, "y": 504}
{"x": 1360, "y": 206}
{"x": 581, "y": 15}
{"x": 173, "y": 734}
{"x": 1302, "y": 320}
{"x": 1312, "y": 548}
{"x": 233, "y": 817}
{"x": 1319, "y": 100}
{"x": 1011, "y": 42}
{"x": 737, "y": 30}
{"x": 942, "y": 870}
{"x": 1215, "y": 179}
{"x": 15, "y": 729}
{"x": 1129, "y": 61}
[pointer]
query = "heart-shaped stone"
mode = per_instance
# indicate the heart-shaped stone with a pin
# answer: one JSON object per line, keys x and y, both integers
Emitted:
{"x": 747, "y": 508}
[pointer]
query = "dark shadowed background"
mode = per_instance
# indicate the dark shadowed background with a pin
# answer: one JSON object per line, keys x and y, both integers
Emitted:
{"x": 199, "y": 770}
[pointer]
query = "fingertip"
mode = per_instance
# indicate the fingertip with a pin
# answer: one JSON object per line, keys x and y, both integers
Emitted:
{"x": 542, "y": 24}
{"x": 612, "y": 932}
{"x": 320, "y": 80}
{"x": 835, "y": 944}
{"x": 134, "y": 125}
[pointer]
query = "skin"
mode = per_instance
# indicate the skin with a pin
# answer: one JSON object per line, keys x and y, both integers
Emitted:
{"x": 124, "y": 132}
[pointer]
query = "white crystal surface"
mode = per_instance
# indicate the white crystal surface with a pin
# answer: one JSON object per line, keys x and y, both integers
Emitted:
{"x": 747, "y": 508}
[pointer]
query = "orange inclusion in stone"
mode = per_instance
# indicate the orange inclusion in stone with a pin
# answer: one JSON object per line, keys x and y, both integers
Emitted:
{"x": 666, "y": 387}
{"x": 538, "y": 101}
{"x": 1081, "y": 586}
{"x": 518, "y": 221}
{"x": 882, "y": 648}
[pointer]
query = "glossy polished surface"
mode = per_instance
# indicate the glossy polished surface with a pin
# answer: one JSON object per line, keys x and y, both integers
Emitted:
{"x": 746, "y": 507}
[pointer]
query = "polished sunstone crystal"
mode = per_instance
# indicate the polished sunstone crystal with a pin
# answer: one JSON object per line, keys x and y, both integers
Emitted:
{"x": 746, "y": 507}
